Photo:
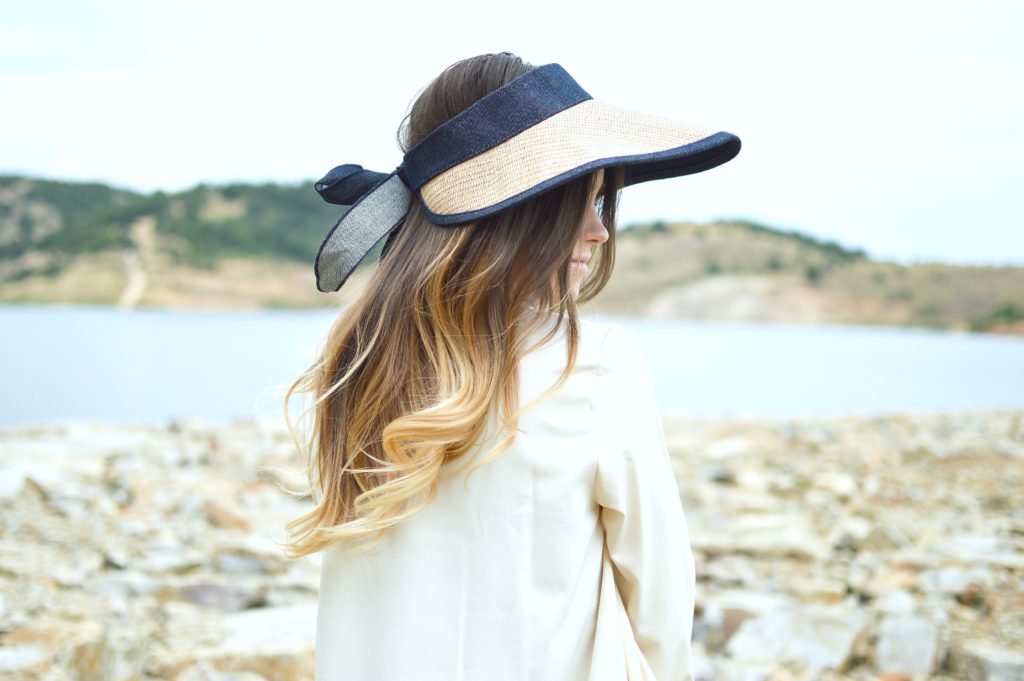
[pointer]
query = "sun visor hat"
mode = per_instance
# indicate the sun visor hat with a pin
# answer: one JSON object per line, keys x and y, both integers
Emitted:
{"x": 536, "y": 132}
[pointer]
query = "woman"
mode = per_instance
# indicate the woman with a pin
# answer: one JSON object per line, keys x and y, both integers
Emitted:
{"x": 494, "y": 497}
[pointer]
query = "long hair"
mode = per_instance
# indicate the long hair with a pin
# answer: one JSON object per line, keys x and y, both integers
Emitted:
{"x": 411, "y": 370}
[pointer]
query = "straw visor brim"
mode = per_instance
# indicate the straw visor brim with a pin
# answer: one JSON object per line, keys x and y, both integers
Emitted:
{"x": 573, "y": 142}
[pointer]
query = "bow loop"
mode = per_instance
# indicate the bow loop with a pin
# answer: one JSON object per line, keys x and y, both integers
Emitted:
{"x": 378, "y": 204}
{"x": 345, "y": 184}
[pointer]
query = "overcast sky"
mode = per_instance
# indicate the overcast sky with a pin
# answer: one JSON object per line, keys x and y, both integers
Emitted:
{"x": 897, "y": 127}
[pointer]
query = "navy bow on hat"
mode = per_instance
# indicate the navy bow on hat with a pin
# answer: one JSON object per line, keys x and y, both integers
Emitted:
{"x": 346, "y": 184}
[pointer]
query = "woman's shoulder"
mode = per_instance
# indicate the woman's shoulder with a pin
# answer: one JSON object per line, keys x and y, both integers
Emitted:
{"x": 593, "y": 335}
{"x": 626, "y": 376}
{"x": 606, "y": 348}
{"x": 610, "y": 375}
{"x": 620, "y": 351}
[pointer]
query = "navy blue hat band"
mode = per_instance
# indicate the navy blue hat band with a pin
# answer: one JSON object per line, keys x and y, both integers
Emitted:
{"x": 494, "y": 118}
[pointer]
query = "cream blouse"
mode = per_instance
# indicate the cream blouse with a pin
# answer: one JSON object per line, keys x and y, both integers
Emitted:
{"x": 567, "y": 558}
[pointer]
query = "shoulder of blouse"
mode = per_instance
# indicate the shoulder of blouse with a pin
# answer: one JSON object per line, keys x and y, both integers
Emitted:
{"x": 626, "y": 395}
{"x": 593, "y": 334}
{"x": 621, "y": 354}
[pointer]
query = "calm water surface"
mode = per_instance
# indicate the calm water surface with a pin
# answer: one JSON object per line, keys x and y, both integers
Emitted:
{"x": 62, "y": 362}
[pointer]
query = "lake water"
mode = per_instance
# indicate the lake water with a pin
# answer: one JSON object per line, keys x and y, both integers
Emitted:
{"x": 63, "y": 362}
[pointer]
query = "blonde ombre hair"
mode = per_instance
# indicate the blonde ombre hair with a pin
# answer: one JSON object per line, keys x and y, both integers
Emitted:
{"x": 411, "y": 370}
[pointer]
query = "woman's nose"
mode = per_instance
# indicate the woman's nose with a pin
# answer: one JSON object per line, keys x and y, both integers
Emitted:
{"x": 596, "y": 231}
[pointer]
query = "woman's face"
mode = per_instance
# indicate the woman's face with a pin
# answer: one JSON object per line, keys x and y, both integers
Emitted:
{"x": 594, "y": 232}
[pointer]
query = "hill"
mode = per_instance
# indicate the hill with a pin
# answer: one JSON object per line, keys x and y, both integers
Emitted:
{"x": 744, "y": 271}
{"x": 245, "y": 245}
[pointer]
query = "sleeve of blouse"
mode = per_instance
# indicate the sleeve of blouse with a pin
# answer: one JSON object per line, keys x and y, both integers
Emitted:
{"x": 642, "y": 513}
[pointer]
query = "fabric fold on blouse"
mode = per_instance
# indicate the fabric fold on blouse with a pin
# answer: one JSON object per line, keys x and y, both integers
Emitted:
{"x": 645, "y": 527}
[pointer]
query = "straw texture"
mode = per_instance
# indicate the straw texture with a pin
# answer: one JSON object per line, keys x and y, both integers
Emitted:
{"x": 586, "y": 132}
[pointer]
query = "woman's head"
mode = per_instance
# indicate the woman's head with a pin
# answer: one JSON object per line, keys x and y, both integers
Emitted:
{"x": 411, "y": 370}
{"x": 532, "y": 242}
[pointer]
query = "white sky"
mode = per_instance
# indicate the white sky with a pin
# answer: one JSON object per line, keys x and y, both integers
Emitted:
{"x": 897, "y": 127}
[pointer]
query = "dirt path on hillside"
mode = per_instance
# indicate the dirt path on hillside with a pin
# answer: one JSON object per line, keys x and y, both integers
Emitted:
{"x": 137, "y": 260}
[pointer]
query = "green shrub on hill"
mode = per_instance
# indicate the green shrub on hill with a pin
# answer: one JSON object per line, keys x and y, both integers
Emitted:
{"x": 277, "y": 221}
{"x": 831, "y": 249}
{"x": 91, "y": 215}
{"x": 1007, "y": 313}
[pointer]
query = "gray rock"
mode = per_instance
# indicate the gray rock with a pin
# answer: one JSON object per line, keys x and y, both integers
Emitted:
{"x": 983, "y": 661}
{"x": 277, "y": 643}
{"x": 728, "y": 447}
{"x": 851, "y": 532}
{"x": 283, "y": 630}
{"x": 907, "y": 643}
{"x": 124, "y": 584}
{"x": 249, "y": 555}
{"x": 174, "y": 559}
{"x": 14, "y": 658}
{"x": 225, "y": 597}
{"x": 985, "y": 550}
{"x": 954, "y": 580}
{"x": 722, "y": 476}
{"x": 897, "y": 602}
{"x": 204, "y": 671}
{"x": 65, "y": 565}
{"x": 727, "y": 670}
{"x": 117, "y": 655}
{"x": 244, "y": 564}
{"x": 884, "y": 538}
{"x": 224, "y": 514}
{"x": 812, "y": 638}
{"x": 762, "y": 534}
{"x": 842, "y": 485}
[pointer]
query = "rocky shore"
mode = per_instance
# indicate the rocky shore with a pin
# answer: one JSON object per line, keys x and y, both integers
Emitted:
{"x": 886, "y": 548}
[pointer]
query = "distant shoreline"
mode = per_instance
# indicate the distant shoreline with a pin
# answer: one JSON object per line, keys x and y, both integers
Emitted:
{"x": 1015, "y": 329}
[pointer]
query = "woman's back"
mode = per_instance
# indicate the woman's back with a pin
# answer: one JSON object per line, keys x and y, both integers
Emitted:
{"x": 564, "y": 554}
{"x": 507, "y": 577}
